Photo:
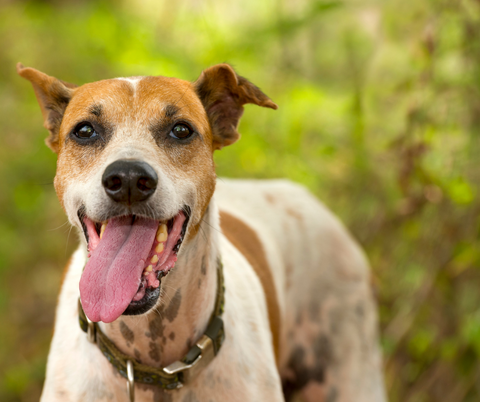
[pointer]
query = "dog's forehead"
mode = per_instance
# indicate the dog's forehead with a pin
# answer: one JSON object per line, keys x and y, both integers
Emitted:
{"x": 137, "y": 97}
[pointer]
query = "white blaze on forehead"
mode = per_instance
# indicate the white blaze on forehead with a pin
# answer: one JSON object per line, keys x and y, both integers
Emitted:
{"x": 132, "y": 80}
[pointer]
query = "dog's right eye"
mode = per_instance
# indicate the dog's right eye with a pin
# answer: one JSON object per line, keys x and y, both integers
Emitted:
{"x": 181, "y": 132}
{"x": 85, "y": 131}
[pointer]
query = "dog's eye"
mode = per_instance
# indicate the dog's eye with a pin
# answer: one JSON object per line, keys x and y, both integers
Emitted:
{"x": 85, "y": 130}
{"x": 181, "y": 132}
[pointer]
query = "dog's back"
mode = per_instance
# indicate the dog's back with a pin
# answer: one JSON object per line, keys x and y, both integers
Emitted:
{"x": 327, "y": 324}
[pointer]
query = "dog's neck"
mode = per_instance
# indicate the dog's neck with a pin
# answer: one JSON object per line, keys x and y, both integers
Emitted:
{"x": 186, "y": 303}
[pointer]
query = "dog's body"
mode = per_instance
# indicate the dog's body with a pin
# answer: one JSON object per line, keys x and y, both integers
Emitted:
{"x": 298, "y": 307}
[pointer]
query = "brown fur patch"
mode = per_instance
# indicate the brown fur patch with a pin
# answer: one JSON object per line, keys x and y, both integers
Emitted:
{"x": 247, "y": 242}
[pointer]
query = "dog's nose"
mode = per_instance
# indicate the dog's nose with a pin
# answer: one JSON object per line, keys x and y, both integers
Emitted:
{"x": 127, "y": 181}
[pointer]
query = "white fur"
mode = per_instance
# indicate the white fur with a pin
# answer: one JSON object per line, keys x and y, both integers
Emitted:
{"x": 132, "y": 80}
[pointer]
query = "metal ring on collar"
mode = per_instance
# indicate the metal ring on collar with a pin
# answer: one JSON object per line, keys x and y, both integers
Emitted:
{"x": 130, "y": 381}
{"x": 91, "y": 332}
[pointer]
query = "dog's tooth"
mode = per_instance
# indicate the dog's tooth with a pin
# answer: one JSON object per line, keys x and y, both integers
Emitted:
{"x": 162, "y": 237}
{"x": 147, "y": 271}
{"x": 159, "y": 248}
{"x": 102, "y": 229}
{"x": 162, "y": 233}
{"x": 154, "y": 259}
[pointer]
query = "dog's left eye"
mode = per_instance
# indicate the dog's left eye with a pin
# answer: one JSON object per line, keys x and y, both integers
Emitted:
{"x": 181, "y": 132}
{"x": 84, "y": 131}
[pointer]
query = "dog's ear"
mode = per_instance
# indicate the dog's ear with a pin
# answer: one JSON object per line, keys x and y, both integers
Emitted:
{"x": 53, "y": 95}
{"x": 223, "y": 94}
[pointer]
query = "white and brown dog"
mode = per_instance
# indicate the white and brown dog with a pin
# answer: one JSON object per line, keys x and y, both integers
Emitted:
{"x": 290, "y": 315}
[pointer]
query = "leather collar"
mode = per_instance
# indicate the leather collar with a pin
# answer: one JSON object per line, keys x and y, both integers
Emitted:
{"x": 176, "y": 374}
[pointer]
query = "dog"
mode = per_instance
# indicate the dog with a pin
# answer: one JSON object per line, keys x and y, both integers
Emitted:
{"x": 188, "y": 289}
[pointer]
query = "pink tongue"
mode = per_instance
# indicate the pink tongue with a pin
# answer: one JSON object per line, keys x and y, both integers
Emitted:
{"x": 112, "y": 275}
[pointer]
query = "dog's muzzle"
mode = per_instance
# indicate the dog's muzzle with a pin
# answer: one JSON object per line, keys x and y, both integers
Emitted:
{"x": 131, "y": 246}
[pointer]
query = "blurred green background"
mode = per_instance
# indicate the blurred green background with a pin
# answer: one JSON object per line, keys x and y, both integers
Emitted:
{"x": 379, "y": 115}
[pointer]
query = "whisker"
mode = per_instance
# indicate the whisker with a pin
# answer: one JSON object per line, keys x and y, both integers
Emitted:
{"x": 68, "y": 238}
{"x": 188, "y": 104}
{"x": 181, "y": 97}
{"x": 213, "y": 227}
{"x": 204, "y": 234}
{"x": 62, "y": 225}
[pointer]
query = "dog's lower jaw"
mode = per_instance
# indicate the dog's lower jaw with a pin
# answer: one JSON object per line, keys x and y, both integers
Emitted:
{"x": 187, "y": 295}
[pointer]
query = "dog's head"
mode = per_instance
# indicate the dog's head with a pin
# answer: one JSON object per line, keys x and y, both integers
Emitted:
{"x": 135, "y": 171}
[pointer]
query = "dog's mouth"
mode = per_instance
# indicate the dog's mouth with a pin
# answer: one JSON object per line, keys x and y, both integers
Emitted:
{"x": 128, "y": 257}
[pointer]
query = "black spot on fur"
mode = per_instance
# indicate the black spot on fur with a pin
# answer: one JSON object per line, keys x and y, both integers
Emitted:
{"x": 159, "y": 395}
{"x": 126, "y": 332}
{"x": 305, "y": 373}
{"x": 171, "y": 110}
{"x": 322, "y": 350}
{"x": 156, "y": 327}
{"x": 203, "y": 268}
{"x": 137, "y": 354}
{"x": 172, "y": 310}
{"x": 171, "y": 336}
{"x": 96, "y": 110}
{"x": 154, "y": 353}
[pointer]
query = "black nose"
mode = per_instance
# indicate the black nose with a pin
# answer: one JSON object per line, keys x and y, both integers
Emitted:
{"x": 128, "y": 181}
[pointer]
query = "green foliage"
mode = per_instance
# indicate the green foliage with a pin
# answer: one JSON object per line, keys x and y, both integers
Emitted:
{"x": 379, "y": 115}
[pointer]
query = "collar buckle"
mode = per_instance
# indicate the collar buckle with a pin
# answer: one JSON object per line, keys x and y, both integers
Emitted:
{"x": 189, "y": 370}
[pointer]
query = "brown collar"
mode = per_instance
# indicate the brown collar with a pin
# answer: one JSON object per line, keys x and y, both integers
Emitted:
{"x": 175, "y": 375}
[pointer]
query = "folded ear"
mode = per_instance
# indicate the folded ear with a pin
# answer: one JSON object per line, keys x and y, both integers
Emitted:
{"x": 223, "y": 94}
{"x": 53, "y": 95}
